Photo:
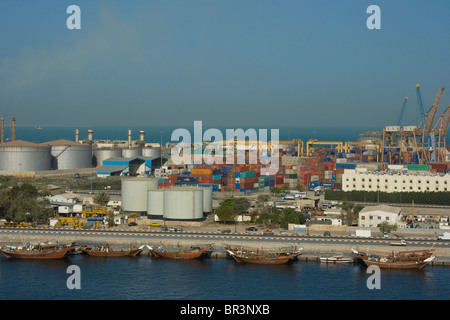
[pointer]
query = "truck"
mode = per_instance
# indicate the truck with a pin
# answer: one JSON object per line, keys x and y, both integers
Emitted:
{"x": 298, "y": 194}
{"x": 444, "y": 236}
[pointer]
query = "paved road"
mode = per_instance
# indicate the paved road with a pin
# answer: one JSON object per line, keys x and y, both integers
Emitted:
{"x": 212, "y": 236}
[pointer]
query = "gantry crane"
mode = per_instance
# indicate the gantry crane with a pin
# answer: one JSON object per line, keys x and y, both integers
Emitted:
{"x": 444, "y": 121}
{"x": 339, "y": 145}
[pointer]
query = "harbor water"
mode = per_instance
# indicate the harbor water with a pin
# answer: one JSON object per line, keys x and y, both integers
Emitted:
{"x": 147, "y": 278}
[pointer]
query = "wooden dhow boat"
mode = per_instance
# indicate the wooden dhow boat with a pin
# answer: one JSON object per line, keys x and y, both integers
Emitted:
{"x": 412, "y": 259}
{"x": 180, "y": 252}
{"x": 41, "y": 251}
{"x": 106, "y": 251}
{"x": 263, "y": 256}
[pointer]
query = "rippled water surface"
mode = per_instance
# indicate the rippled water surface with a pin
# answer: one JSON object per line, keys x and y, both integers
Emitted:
{"x": 146, "y": 278}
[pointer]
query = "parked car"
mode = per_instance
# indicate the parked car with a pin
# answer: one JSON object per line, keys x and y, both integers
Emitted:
{"x": 251, "y": 229}
{"x": 154, "y": 225}
{"x": 327, "y": 234}
{"x": 268, "y": 233}
{"x": 132, "y": 224}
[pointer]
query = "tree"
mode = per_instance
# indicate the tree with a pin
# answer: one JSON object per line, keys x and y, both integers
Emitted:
{"x": 101, "y": 198}
{"x": 240, "y": 205}
{"x": 263, "y": 198}
{"x": 22, "y": 203}
{"x": 226, "y": 213}
{"x": 351, "y": 211}
{"x": 387, "y": 227}
{"x": 110, "y": 220}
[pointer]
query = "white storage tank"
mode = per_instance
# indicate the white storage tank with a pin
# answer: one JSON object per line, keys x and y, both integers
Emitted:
{"x": 68, "y": 154}
{"x": 207, "y": 200}
{"x": 131, "y": 152}
{"x": 183, "y": 203}
{"x": 101, "y": 154}
{"x": 22, "y": 155}
{"x": 134, "y": 193}
{"x": 155, "y": 203}
{"x": 151, "y": 152}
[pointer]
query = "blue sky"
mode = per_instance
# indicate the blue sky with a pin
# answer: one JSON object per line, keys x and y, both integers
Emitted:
{"x": 226, "y": 62}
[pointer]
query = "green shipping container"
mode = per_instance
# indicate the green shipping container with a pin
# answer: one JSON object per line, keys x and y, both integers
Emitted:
{"x": 247, "y": 174}
{"x": 418, "y": 167}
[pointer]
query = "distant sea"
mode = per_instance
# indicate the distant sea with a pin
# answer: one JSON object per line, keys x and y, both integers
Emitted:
{"x": 153, "y": 133}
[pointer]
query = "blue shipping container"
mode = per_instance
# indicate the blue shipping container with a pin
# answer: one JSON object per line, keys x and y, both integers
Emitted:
{"x": 313, "y": 184}
{"x": 215, "y": 187}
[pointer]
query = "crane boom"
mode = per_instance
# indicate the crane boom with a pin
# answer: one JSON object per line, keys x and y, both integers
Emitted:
{"x": 400, "y": 119}
{"x": 421, "y": 110}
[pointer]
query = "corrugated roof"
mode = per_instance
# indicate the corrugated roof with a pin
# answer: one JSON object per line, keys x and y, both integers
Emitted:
{"x": 21, "y": 143}
{"x": 62, "y": 142}
{"x": 382, "y": 207}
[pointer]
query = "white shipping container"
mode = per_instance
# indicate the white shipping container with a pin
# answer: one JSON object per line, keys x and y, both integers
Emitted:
{"x": 314, "y": 178}
{"x": 77, "y": 208}
{"x": 392, "y": 128}
{"x": 63, "y": 209}
{"x": 363, "y": 233}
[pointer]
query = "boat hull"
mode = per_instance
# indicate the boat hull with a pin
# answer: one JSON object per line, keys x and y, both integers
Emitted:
{"x": 193, "y": 254}
{"x": 414, "y": 259}
{"x": 98, "y": 253}
{"x": 263, "y": 260}
{"x": 38, "y": 255}
{"x": 396, "y": 265}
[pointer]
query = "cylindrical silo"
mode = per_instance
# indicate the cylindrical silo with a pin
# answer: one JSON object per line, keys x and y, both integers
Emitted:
{"x": 151, "y": 152}
{"x": 183, "y": 204}
{"x": 134, "y": 193}
{"x": 207, "y": 200}
{"x": 24, "y": 156}
{"x": 101, "y": 154}
{"x": 131, "y": 152}
{"x": 155, "y": 203}
{"x": 68, "y": 154}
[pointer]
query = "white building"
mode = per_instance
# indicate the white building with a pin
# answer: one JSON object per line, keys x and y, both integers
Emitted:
{"x": 387, "y": 181}
{"x": 374, "y": 216}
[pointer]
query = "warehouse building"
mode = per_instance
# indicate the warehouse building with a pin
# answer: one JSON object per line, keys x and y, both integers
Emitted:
{"x": 386, "y": 181}
{"x": 374, "y": 216}
{"x": 129, "y": 166}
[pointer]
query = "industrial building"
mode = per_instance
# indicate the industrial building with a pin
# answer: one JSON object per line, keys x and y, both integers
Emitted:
{"x": 129, "y": 166}
{"x": 394, "y": 181}
{"x": 374, "y": 216}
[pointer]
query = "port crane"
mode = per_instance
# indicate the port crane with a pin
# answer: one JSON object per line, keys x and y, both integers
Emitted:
{"x": 444, "y": 121}
{"x": 400, "y": 118}
{"x": 428, "y": 142}
{"x": 309, "y": 143}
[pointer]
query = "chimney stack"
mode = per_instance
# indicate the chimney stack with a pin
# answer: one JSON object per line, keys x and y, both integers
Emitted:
{"x": 77, "y": 135}
{"x": 129, "y": 138}
{"x": 2, "y": 130}
{"x": 13, "y": 129}
{"x": 90, "y": 134}
{"x": 142, "y": 135}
